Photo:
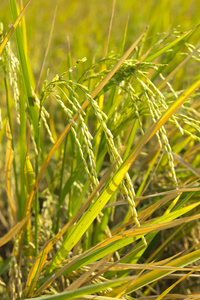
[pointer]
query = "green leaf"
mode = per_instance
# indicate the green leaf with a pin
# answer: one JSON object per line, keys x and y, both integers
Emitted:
{"x": 169, "y": 46}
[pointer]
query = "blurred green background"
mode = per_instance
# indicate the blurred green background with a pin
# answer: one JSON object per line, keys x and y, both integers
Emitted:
{"x": 86, "y": 23}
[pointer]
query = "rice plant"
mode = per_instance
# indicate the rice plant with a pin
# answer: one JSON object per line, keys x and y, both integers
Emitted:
{"x": 100, "y": 163}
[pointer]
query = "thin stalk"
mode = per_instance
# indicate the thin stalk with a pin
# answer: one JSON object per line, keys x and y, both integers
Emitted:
{"x": 47, "y": 50}
{"x": 36, "y": 204}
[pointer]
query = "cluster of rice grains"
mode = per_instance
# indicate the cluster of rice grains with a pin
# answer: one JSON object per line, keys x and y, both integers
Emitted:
{"x": 11, "y": 69}
{"x": 68, "y": 94}
{"x": 15, "y": 280}
{"x": 133, "y": 84}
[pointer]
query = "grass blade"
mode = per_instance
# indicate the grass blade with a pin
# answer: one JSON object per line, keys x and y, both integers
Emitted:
{"x": 87, "y": 290}
{"x": 157, "y": 274}
{"x": 13, "y": 27}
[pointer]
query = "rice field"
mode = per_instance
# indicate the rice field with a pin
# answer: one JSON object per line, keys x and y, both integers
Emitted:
{"x": 99, "y": 149}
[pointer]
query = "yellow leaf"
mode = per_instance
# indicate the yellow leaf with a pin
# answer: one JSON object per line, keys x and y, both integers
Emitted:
{"x": 11, "y": 233}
